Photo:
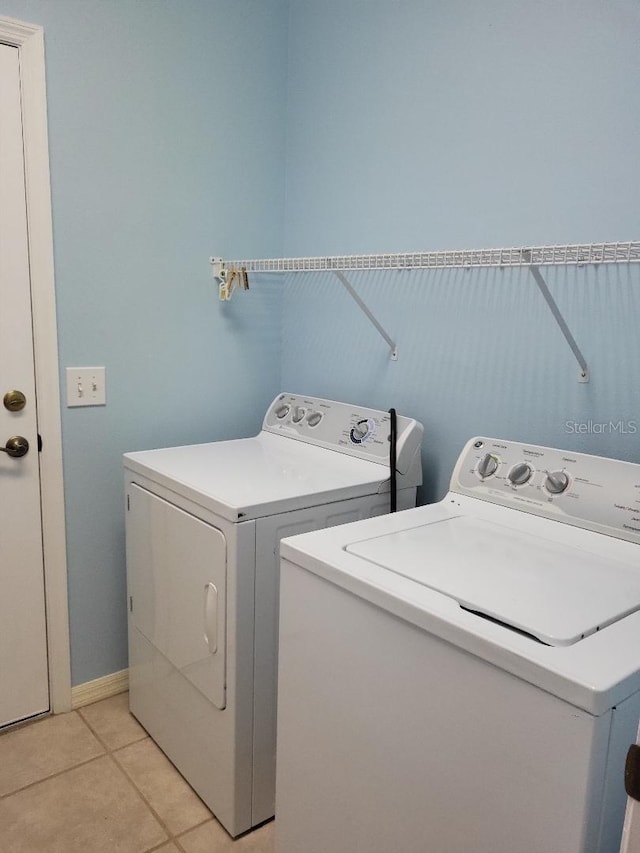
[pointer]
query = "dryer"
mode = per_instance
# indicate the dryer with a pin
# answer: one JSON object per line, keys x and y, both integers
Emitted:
{"x": 203, "y": 524}
{"x": 465, "y": 676}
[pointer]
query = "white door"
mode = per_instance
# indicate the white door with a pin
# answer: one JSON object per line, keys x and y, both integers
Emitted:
{"x": 24, "y": 688}
{"x": 177, "y": 571}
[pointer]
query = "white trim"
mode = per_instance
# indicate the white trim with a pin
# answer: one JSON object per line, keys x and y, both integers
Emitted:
{"x": 99, "y": 688}
{"x": 29, "y": 39}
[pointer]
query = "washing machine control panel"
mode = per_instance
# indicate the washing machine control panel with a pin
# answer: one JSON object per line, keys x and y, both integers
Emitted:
{"x": 587, "y": 491}
{"x": 354, "y": 430}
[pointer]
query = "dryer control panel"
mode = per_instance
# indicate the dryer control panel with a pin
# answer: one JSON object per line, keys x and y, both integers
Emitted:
{"x": 345, "y": 428}
{"x": 587, "y": 491}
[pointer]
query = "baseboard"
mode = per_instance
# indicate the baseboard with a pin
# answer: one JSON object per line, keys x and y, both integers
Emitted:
{"x": 99, "y": 688}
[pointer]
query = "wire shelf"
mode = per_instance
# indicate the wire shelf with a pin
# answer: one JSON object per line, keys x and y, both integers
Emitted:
{"x": 577, "y": 254}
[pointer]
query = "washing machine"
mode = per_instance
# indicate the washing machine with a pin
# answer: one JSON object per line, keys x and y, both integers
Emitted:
{"x": 203, "y": 525}
{"x": 464, "y": 677}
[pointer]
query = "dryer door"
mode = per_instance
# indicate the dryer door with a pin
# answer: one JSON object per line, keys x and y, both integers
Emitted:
{"x": 176, "y": 565}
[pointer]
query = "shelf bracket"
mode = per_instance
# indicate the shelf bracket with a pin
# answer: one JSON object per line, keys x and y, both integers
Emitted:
{"x": 583, "y": 373}
{"x": 218, "y": 269}
{"x": 365, "y": 310}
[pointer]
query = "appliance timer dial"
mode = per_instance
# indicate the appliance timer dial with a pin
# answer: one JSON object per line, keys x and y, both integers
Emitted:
{"x": 520, "y": 474}
{"x": 360, "y": 431}
{"x": 487, "y": 466}
{"x": 556, "y": 482}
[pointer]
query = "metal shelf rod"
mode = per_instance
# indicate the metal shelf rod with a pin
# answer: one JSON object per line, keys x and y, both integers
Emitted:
{"x": 365, "y": 310}
{"x": 576, "y": 254}
{"x": 583, "y": 375}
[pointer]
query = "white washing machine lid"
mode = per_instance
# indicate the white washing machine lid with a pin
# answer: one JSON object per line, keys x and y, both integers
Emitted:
{"x": 254, "y": 477}
{"x": 554, "y": 592}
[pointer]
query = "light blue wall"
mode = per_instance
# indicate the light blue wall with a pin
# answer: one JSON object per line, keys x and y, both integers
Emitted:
{"x": 408, "y": 124}
{"x": 166, "y": 130}
{"x": 416, "y": 124}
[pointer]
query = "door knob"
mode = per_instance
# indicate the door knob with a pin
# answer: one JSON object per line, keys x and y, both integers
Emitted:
{"x": 17, "y": 446}
{"x": 15, "y": 401}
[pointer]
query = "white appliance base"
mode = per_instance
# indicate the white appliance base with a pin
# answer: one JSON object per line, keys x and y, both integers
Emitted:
{"x": 405, "y": 742}
{"x": 228, "y": 755}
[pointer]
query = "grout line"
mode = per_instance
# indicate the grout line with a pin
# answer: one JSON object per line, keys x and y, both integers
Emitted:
{"x": 53, "y": 775}
{"x": 160, "y": 846}
{"x": 109, "y": 749}
{"x": 173, "y": 839}
{"x": 122, "y": 746}
{"x": 94, "y": 733}
{"x": 57, "y": 773}
{"x": 211, "y": 817}
{"x": 111, "y": 754}
{"x": 142, "y": 797}
{"x": 158, "y": 817}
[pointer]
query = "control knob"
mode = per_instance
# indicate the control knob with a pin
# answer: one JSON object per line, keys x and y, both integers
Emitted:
{"x": 314, "y": 418}
{"x": 360, "y": 431}
{"x": 298, "y": 414}
{"x": 520, "y": 474}
{"x": 282, "y": 411}
{"x": 556, "y": 482}
{"x": 488, "y": 465}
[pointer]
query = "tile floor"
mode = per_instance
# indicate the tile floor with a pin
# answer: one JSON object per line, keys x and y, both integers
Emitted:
{"x": 92, "y": 781}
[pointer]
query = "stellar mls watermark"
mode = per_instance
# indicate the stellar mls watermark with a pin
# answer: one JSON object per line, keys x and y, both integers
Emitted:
{"x": 590, "y": 427}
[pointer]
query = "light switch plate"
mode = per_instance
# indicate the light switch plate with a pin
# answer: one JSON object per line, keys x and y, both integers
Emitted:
{"x": 86, "y": 386}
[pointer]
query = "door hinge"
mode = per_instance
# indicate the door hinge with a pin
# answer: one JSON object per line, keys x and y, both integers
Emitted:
{"x": 128, "y": 503}
{"x": 130, "y": 604}
{"x": 632, "y": 772}
{"x": 39, "y": 443}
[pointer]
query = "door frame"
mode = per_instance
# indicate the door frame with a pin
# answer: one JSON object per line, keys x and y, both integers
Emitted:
{"x": 29, "y": 40}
